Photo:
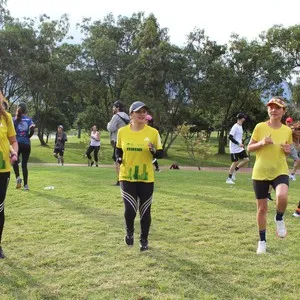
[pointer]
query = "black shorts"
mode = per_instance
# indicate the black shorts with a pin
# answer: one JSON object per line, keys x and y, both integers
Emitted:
{"x": 59, "y": 151}
{"x": 236, "y": 156}
{"x": 261, "y": 187}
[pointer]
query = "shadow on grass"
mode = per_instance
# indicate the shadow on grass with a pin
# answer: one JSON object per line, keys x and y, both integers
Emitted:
{"x": 203, "y": 276}
{"x": 225, "y": 202}
{"x": 92, "y": 212}
{"x": 19, "y": 281}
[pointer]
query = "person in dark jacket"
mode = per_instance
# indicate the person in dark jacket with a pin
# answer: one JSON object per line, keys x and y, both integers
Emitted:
{"x": 59, "y": 148}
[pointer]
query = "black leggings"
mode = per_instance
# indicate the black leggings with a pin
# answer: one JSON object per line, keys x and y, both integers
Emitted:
{"x": 90, "y": 150}
{"x": 137, "y": 196}
{"x": 4, "y": 179}
{"x": 25, "y": 151}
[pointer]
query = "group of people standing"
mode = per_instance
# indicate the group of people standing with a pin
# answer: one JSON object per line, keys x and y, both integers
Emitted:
{"x": 273, "y": 142}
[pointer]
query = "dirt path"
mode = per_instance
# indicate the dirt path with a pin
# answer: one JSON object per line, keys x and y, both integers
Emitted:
{"x": 216, "y": 169}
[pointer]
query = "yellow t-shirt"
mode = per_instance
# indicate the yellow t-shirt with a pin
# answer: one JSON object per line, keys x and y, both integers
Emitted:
{"x": 7, "y": 130}
{"x": 137, "y": 159}
{"x": 270, "y": 159}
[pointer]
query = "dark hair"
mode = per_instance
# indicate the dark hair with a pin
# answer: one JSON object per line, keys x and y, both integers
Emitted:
{"x": 119, "y": 105}
{"x": 241, "y": 116}
{"x": 21, "y": 110}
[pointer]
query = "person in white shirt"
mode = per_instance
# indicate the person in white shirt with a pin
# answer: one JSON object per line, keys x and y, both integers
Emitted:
{"x": 94, "y": 146}
{"x": 236, "y": 146}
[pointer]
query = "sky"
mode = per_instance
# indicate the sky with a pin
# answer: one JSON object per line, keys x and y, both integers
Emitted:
{"x": 219, "y": 18}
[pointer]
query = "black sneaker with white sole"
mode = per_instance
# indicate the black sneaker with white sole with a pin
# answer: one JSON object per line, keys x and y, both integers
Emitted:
{"x": 129, "y": 240}
{"x": 144, "y": 245}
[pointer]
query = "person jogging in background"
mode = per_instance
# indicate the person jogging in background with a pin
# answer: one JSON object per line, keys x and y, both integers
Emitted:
{"x": 271, "y": 140}
{"x": 296, "y": 214}
{"x": 94, "y": 146}
{"x": 150, "y": 122}
{"x": 236, "y": 147}
{"x": 59, "y": 148}
{"x": 118, "y": 120}
{"x": 295, "y": 147}
{"x": 24, "y": 127}
{"x": 8, "y": 155}
{"x": 137, "y": 145}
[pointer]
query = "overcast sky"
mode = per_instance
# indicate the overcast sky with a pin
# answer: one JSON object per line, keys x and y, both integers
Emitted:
{"x": 219, "y": 18}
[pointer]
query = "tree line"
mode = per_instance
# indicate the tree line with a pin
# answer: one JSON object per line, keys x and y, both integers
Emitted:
{"x": 202, "y": 83}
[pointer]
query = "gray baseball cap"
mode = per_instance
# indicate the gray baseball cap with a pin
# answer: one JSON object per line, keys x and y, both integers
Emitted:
{"x": 135, "y": 106}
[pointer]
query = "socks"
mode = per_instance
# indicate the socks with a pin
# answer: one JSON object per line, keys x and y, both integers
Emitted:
{"x": 279, "y": 216}
{"x": 262, "y": 235}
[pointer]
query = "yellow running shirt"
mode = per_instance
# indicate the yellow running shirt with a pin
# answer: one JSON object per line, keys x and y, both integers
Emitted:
{"x": 137, "y": 159}
{"x": 7, "y": 130}
{"x": 270, "y": 159}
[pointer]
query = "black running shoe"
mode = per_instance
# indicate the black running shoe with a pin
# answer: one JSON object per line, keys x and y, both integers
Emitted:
{"x": 269, "y": 197}
{"x": 92, "y": 163}
{"x": 129, "y": 240}
{"x": 144, "y": 245}
{"x": 1, "y": 253}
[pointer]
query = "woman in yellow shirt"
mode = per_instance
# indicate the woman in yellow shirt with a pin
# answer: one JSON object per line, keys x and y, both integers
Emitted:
{"x": 8, "y": 154}
{"x": 272, "y": 142}
{"x": 137, "y": 145}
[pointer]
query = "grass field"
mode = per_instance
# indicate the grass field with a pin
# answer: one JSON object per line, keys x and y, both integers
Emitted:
{"x": 67, "y": 243}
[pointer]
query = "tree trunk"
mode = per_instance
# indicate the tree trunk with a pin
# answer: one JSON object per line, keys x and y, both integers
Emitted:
{"x": 40, "y": 136}
{"x": 222, "y": 142}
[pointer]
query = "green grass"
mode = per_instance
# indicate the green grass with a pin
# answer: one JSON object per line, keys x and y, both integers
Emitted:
{"x": 67, "y": 243}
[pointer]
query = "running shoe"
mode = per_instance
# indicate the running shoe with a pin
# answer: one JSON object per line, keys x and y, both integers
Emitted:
{"x": 281, "y": 231}
{"x": 296, "y": 214}
{"x": 144, "y": 245}
{"x": 18, "y": 183}
{"x": 230, "y": 181}
{"x": 262, "y": 247}
{"x": 292, "y": 177}
{"x": 129, "y": 240}
{"x": 26, "y": 188}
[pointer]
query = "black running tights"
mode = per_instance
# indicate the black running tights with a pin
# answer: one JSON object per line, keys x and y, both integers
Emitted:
{"x": 25, "y": 151}
{"x": 4, "y": 179}
{"x": 137, "y": 196}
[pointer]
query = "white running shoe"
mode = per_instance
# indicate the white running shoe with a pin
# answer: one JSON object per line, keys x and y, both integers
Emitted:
{"x": 296, "y": 214}
{"x": 292, "y": 177}
{"x": 233, "y": 176}
{"x": 262, "y": 247}
{"x": 229, "y": 181}
{"x": 280, "y": 228}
